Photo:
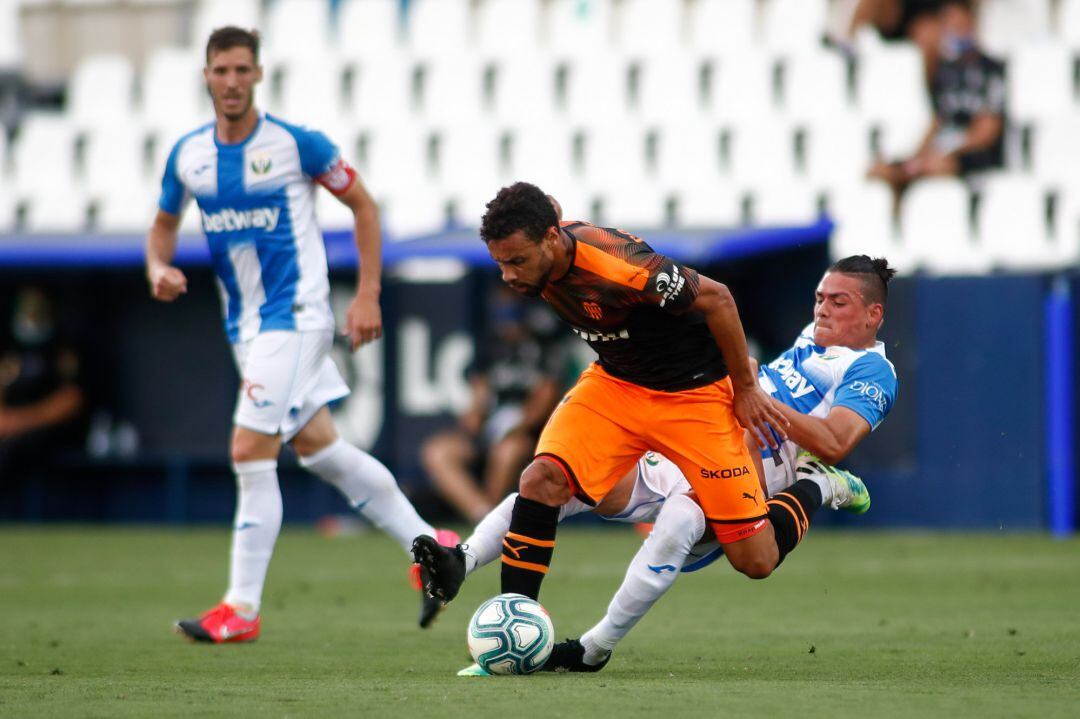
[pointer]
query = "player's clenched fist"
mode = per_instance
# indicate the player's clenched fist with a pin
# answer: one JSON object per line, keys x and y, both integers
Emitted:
{"x": 167, "y": 283}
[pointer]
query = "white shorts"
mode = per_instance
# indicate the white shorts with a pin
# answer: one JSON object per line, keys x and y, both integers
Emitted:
{"x": 285, "y": 378}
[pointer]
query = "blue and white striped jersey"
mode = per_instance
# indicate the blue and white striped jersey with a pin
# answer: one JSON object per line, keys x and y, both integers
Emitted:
{"x": 257, "y": 203}
{"x": 812, "y": 380}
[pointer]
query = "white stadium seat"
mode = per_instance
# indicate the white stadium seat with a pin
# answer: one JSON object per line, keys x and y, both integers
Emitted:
{"x": 1039, "y": 82}
{"x": 332, "y": 214}
{"x": 649, "y": 28}
{"x": 836, "y": 152}
{"x": 10, "y": 37}
{"x": 213, "y": 14}
{"x": 508, "y": 28}
{"x": 632, "y": 206}
{"x": 667, "y": 85}
{"x": 935, "y": 229}
{"x": 311, "y": 90}
{"x": 708, "y": 205}
{"x": 815, "y": 87}
{"x": 381, "y": 94}
{"x": 594, "y": 86}
{"x": 615, "y": 154}
{"x": 723, "y": 27}
{"x": 1005, "y": 24}
{"x": 44, "y": 155}
{"x": 579, "y": 28}
{"x": 452, "y": 90}
{"x": 892, "y": 95}
{"x": 368, "y": 29}
{"x": 689, "y": 153}
{"x": 113, "y": 160}
{"x": 785, "y": 204}
{"x": 522, "y": 84}
{"x": 129, "y": 209}
{"x": 761, "y": 153}
{"x": 1055, "y": 147}
{"x": 863, "y": 214}
{"x": 438, "y": 28}
{"x": 56, "y": 213}
{"x": 1012, "y": 223}
{"x": 173, "y": 90}
{"x": 101, "y": 91}
{"x": 741, "y": 88}
{"x": 1068, "y": 24}
{"x": 794, "y": 26}
{"x": 297, "y": 29}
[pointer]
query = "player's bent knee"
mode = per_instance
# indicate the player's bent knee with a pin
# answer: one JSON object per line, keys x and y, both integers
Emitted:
{"x": 543, "y": 482}
{"x": 251, "y": 446}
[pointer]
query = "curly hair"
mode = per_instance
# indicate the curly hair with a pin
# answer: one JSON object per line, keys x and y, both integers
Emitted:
{"x": 874, "y": 274}
{"x": 520, "y": 206}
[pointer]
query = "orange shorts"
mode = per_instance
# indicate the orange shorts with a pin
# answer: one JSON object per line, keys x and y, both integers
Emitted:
{"x": 603, "y": 425}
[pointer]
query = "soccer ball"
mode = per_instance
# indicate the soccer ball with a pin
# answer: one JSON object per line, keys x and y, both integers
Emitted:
{"x": 511, "y": 634}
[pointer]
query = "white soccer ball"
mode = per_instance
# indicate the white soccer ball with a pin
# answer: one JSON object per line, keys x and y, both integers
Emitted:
{"x": 511, "y": 634}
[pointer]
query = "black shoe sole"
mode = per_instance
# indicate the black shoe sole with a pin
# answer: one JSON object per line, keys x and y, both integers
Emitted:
{"x": 444, "y": 579}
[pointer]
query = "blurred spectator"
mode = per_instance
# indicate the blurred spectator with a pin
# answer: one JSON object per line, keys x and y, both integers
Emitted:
{"x": 968, "y": 94}
{"x": 41, "y": 401}
{"x": 918, "y": 21}
{"x": 515, "y": 385}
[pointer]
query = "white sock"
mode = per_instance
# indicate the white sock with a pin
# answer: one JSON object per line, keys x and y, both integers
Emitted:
{"x": 679, "y": 526}
{"x": 370, "y": 488}
{"x": 258, "y": 521}
{"x": 484, "y": 545}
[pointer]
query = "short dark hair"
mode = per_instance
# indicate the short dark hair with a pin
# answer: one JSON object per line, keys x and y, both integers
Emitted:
{"x": 230, "y": 36}
{"x": 874, "y": 274}
{"x": 520, "y": 206}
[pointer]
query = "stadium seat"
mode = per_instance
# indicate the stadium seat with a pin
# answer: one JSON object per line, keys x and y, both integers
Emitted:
{"x": 173, "y": 91}
{"x": 56, "y": 212}
{"x": 522, "y": 83}
{"x": 741, "y": 87}
{"x": 689, "y": 153}
{"x": 1055, "y": 147}
{"x": 863, "y": 215}
{"x": 212, "y": 14}
{"x": 727, "y": 28}
{"x": 1067, "y": 227}
{"x": 761, "y": 153}
{"x": 113, "y": 160}
{"x": 467, "y": 169}
{"x": 708, "y": 206}
{"x": 1039, "y": 82}
{"x": 1003, "y": 25}
{"x": 784, "y": 204}
{"x": 505, "y": 27}
{"x": 452, "y": 89}
{"x": 129, "y": 209}
{"x": 101, "y": 91}
{"x": 10, "y": 38}
{"x": 794, "y": 26}
{"x": 438, "y": 29}
{"x": 311, "y": 91}
{"x": 892, "y": 96}
{"x": 632, "y": 206}
{"x": 1068, "y": 24}
{"x": 935, "y": 229}
{"x": 548, "y": 156}
{"x": 297, "y": 29}
{"x": 1012, "y": 223}
{"x": 666, "y": 85}
{"x": 44, "y": 155}
{"x": 649, "y": 28}
{"x": 368, "y": 29}
{"x": 380, "y": 94}
{"x": 615, "y": 153}
{"x": 836, "y": 152}
{"x": 815, "y": 88}
{"x": 594, "y": 86}
{"x": 582, "y": 28}
{"x": 413, "y": 212}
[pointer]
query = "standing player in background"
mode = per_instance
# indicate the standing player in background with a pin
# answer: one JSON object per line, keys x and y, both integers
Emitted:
{"x": 667, "y": 339}
{"x": 253, "y": 177}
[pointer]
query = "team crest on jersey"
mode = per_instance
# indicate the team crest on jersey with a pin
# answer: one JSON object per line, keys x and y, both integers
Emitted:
{"x": 593, "y": 310}
{"x": 261, "y": 163}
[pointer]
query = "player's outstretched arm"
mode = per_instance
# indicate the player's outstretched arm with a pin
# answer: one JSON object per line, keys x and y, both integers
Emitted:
{"x": 753, "y": 407}
{"x": 830, "y": 438}
{"x": 363, "y": 321}
{"x": 166, "y": 282}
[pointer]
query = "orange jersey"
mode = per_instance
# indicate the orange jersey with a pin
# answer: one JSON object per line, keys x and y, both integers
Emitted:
{"x": 631, "y": 305}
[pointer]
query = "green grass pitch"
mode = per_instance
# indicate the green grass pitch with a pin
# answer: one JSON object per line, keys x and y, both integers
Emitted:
{"x": 853, "y": 625}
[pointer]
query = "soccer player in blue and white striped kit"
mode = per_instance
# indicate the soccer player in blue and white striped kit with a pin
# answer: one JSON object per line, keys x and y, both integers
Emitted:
{"x": 254, "y": 179}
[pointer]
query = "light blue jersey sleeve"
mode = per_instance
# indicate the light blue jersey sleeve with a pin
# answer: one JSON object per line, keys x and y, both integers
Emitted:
{"x": 173, "y": 192}
{"x": 318, "y": 155}
{"x": 868, "y": 389}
